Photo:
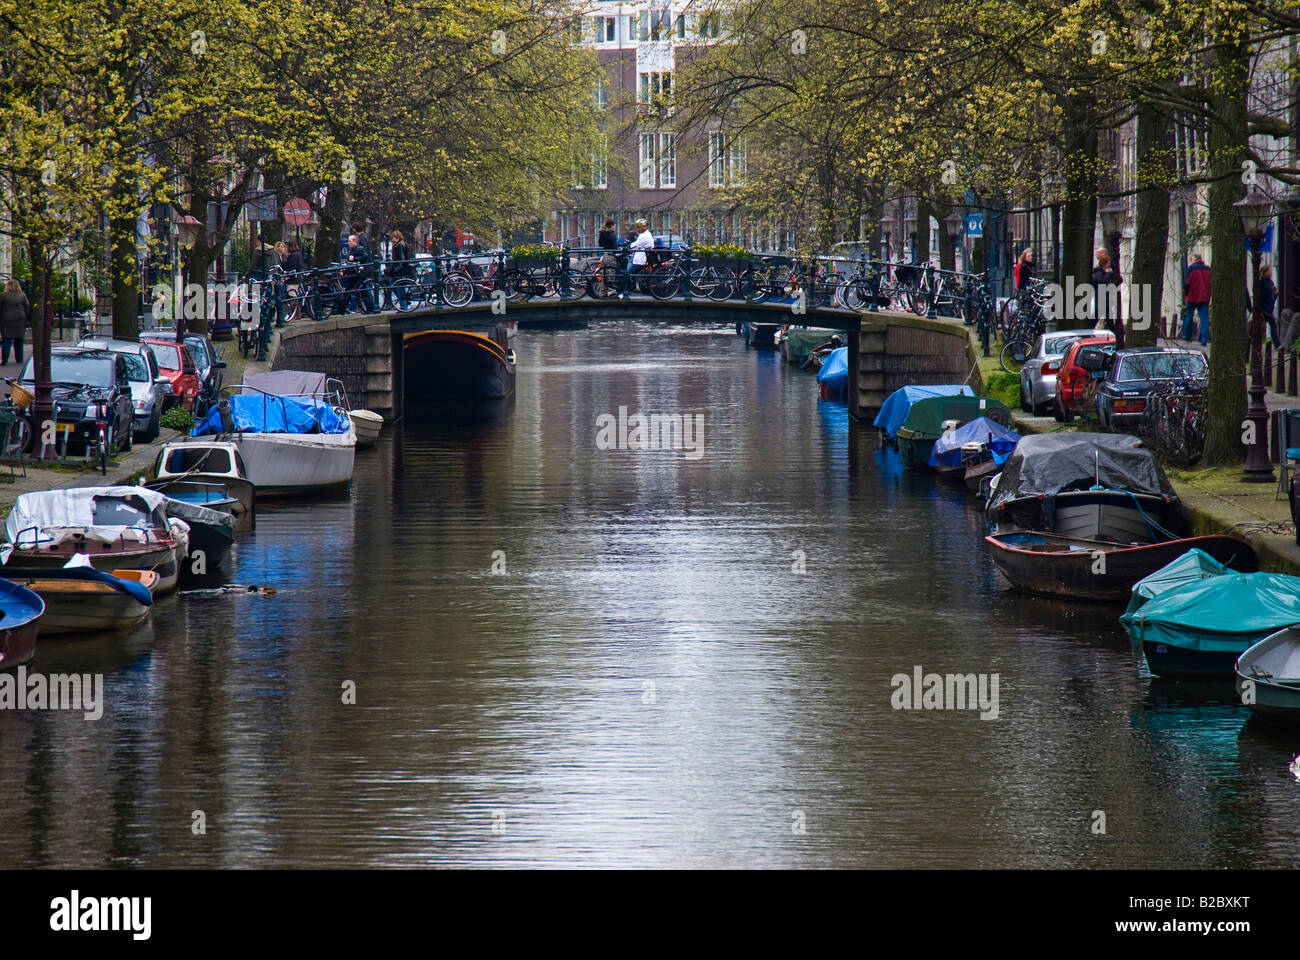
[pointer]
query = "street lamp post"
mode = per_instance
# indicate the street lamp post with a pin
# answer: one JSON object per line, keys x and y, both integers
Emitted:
{"x": 1255, "y": 210}
{"x": 1113, "y": 215}
{"x": 187, "y": 228}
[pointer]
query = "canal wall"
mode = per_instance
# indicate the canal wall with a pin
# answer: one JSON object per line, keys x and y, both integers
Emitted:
{"x": 892, "y": 350}
{"x": 357, "y": 351}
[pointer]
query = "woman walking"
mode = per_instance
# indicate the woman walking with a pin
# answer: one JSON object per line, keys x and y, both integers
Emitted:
{"x": 15, "y": 314}
{"x": 1268, "y": 303}
{"x": 399, "y": 265}
{"x": 1105, "y": 287}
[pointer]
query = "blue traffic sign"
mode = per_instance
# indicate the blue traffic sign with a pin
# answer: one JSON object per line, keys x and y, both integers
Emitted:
{"x": 974, "y": 224}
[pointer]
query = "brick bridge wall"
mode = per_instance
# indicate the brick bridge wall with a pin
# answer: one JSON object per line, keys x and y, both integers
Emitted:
{"x": 890, "y": 352}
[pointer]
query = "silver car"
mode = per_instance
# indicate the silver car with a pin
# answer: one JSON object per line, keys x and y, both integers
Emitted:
{"x": 1038, "y": 375}
{"x": 150, "y": 389}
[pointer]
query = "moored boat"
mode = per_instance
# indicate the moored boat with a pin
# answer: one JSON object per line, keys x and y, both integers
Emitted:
{"x": 207, "y": 473}
{"x": 960, "y": 453}
{"x": 1200, "y": 628}
{"x": 1081, "y": 569}
{"x": 116, "y": 527}
{"x": 367, "y": 423}
{"x": 760, "y": 334}
{"x": 893, "y": 412}
{"x": 833, "y": 375}
{"x": 20, "y": 613}
{"x": 1093, "y": 486}
{"x": 1268, "y": 676}
{"x": 799, "y": 341}
{"x": 288, "y": 444}
{"x": 85, "y": 600}
{"x": 930, "y": 418}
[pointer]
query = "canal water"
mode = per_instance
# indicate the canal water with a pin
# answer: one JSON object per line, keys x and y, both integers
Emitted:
{"x": 567, "y": 655}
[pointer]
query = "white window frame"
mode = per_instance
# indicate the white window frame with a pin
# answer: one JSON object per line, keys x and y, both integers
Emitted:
{"x": 667, "y": 160}
{"x": 647, "y": 143}
{"x": 600, "y": 165}
{"x": 717, "y": 159}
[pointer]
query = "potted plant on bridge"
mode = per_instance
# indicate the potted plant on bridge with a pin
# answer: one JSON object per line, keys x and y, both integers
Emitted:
{"x": 535, "y": 256}
{"x": 719, "y": 255}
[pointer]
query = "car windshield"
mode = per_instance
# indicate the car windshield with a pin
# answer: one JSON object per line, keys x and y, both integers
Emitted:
{"x": 167, "y": 354}
{"x": 1161, "y": 366}
{"x": 200, "y": 351}
{"x": 92, "y": 371}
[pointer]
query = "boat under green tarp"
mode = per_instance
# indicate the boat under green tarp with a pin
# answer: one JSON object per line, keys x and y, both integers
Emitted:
{"x": 925, "y": 420}
{"x": 1191, "y": 567}
{"x": 799, "y": 341}
{"x": 1203, "y": 626}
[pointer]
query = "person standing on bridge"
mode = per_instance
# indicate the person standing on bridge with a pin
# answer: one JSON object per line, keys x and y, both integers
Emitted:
{"x": 644, "y": 241}
{"x": 354, "y": 272}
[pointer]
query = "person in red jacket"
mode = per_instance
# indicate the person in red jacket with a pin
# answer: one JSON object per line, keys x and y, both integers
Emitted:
{"x": 1196, "y": 296}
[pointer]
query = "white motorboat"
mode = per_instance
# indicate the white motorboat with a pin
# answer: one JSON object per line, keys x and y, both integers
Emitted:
{"x": 293, "y": 433}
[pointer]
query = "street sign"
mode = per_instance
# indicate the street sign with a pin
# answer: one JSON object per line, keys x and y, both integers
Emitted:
{"x": 260, "y": 205}
{"x": 297, "y": 212}
{"x": 974, "y": 224}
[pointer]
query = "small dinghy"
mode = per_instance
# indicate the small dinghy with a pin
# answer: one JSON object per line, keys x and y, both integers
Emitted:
{"x": 207, "y": 473}
{"x": 1200, "y": 628}
{"x": 962, "y": 453}
{"x": 367, "y": 423}
{"x": 85, "y": 600}
{"x": 1268, "y": 676}
{"x": 20, "y": 611}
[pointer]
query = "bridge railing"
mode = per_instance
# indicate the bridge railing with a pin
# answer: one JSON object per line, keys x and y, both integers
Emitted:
{"x": 454, "y": 281}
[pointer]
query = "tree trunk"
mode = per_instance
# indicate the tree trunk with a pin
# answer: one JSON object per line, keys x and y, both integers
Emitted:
{"x": 1080, "y": 215}
{"x": 42, "y": 405}
{"x": 1151, "y": 236}
{"x": 1226, "y": 401}
{"x": 327, "y": 237}
{"x": 125, "y": 277}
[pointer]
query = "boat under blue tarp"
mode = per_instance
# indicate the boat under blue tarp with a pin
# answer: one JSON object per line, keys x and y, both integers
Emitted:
{"x": 894, "y": 411}
{"x": 267, "y": 413}
{"x": 833, "y": 374}
{"x": 947, "y": 451}
{"x": 1192, "y": 567}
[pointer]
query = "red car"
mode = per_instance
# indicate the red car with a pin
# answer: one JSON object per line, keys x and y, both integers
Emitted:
{"x": 1076, "y": 387}
{"x": 177, "y": 365}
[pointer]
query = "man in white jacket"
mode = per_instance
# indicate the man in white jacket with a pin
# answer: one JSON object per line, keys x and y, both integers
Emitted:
{"x": 644, "y": 241}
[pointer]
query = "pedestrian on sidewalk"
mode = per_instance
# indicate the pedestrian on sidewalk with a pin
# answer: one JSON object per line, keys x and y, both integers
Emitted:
{"x": 1025, "y": 269}
{"x": 15, "y": 314}
{"x": 1268, "y": 303}
{"x": 1105, "y": 287}
{"x": 1196, "y": 297}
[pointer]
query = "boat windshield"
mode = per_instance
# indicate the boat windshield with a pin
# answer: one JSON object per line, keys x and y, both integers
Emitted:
{"x": 1161, "y": 366}
{"x": 187, "y": 458}
{"x": 93, "y": 371}
{"x": 112, "y": 512}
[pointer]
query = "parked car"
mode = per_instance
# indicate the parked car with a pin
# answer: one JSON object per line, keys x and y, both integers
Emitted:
{"x": 1076, "y": 385}
{"x": 149, "y": 388}
{"x": 1122, "y": 394}
{"x": 178, "y": 366}
{"x": 92, "y": 392}
{"x": 1038, "y": 375}
{"x": 210, "y": 366}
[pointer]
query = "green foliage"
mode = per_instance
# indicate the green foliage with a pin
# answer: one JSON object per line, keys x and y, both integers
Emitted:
{"x": 534, "y": 251}
{"x": 721, "y": 250}
{"x": 1004, "y": 387}
{"x": 177, "y": 418}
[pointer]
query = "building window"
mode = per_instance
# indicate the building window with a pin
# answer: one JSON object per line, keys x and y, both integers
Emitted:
{"x": 606, "y": 29}
{"x": 600, "y": 165}
{"x": 601, "y": 95}
{"x": 647, "y": 160}
{"x": 736, "y": 168}
{"x": 632, "y": 21}
{"x": 717, "y": 168}
{"x": 679, "y": 27}
{"x": 654, "y": 85}
{"x": 708, "y": 25}
{"x": 667, "y": 160}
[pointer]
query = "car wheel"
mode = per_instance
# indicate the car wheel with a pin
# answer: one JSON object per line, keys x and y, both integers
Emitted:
{"x": 1025, "y": 405}
{"x": 128, "y": 435}
{"x": 155, "y": 426}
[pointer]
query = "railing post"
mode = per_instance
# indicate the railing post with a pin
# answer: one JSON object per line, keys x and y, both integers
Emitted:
{"x": 315, "y": 293}
{"x": 686, "y": 269}
{"x": 986, "y": 308}
{"x": 875, "y": 288}
{"x": 437, "y": 282}
{"x": 931, "y": 313}
{"x": 564, "y": 271}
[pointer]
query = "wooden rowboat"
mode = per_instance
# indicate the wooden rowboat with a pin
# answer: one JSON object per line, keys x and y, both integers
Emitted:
{"x": 20, "y": 610}
{"x": 86, "y": 600}
{"x": 1081, "y": 569}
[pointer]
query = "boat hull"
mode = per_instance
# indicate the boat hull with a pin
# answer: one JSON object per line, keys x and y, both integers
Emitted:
{"x": 761, "y": 334}
{"x": 216, "y": 492}
{"x": 1268, "y": 676}
{"x": 915, "y": 449}
{"x": 23, "y": 610}
{"x": 367, "y": 424}
{"x": 1081, "y": 569}
{"x": 163, "y": 557}
{"x": 83, "y": 606}
{"x": 1169, "y": 660}
{"x": 1109, "y": 515}
{"x": 457, "y": 365}
{"x": 281, "y": 463}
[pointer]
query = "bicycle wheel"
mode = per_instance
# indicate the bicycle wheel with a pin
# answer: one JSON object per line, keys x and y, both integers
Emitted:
{"x": 665, "y": 281}
{"x": 753, "y": 286}
{"x": 404, "y": 294}
{"x": 578, "y": 280}
{"x": 921, "y": 302}
{"x": 456, "y": 289}
{"x": 721, "y": 285}
{"x": 604, "y": 282}
{"x": 517, "y": 284}
{"x": 1014, "y": 354}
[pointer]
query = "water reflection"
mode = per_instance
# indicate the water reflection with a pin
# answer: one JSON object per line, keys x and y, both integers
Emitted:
{"x": 567, "y": 655}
